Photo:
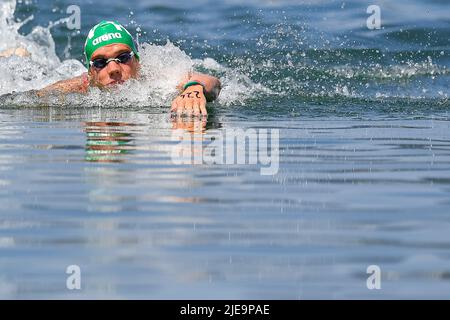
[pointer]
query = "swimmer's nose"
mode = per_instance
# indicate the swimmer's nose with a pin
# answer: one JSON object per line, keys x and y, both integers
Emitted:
{"x": 114, "y": 70}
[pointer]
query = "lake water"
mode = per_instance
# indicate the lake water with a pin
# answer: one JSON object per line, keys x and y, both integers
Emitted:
{"x": 363, "y": 169}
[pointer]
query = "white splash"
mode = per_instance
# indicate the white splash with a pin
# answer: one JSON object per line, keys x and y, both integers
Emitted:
{"x": 39, "y": 65}
{"x": 162, "y": 68}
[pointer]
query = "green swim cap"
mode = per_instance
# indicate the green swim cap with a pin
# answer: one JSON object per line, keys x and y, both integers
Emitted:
{"x": 104, "y": 33}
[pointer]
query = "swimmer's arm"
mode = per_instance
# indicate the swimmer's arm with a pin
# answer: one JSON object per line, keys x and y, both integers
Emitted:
{"x": 211, "y": 85}
{"x": 78, "y": 84}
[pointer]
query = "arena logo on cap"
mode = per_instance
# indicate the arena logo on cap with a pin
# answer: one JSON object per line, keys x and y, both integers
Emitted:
{"x": 106, "y": 37}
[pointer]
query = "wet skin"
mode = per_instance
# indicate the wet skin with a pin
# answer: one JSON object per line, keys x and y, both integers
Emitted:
{"x": 190, "y": 101}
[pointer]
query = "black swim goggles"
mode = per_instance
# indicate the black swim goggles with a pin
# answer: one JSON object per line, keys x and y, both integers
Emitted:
{"x": 100, "y": 63}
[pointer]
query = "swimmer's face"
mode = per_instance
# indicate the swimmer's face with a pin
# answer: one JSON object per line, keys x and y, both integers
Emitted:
{"x": 114, "y": 73}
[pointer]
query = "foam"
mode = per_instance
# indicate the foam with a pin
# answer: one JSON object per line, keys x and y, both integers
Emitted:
{"x": 162, "y": 68}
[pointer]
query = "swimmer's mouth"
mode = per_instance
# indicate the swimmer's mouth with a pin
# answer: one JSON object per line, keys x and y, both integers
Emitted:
{"x": 115, "y": 82}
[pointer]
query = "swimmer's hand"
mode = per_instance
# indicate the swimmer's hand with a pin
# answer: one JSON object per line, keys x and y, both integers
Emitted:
{"x": 191, "y": 101}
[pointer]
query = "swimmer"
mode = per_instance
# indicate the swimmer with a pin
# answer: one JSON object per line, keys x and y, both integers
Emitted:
{"x": 112, "y": 58}
{"x": 20, "y": 52}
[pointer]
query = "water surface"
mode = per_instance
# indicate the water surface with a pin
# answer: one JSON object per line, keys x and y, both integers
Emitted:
{"x": 363, "y": 174}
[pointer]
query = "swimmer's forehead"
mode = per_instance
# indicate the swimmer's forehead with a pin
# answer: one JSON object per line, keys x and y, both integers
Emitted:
{"x": 110, "y": 51}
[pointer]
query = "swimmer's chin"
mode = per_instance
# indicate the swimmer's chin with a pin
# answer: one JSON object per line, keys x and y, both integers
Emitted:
{"x": 109, "y": 86}
{"x": 115, "y": 83}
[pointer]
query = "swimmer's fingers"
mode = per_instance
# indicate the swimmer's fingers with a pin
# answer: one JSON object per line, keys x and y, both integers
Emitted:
{"x": 196, "y": 108}
{"x": 203, "y": 107}
{"x": 174, "y": 106}
{"x": 189, "y": 106}
{"x": 180, "y": 107}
